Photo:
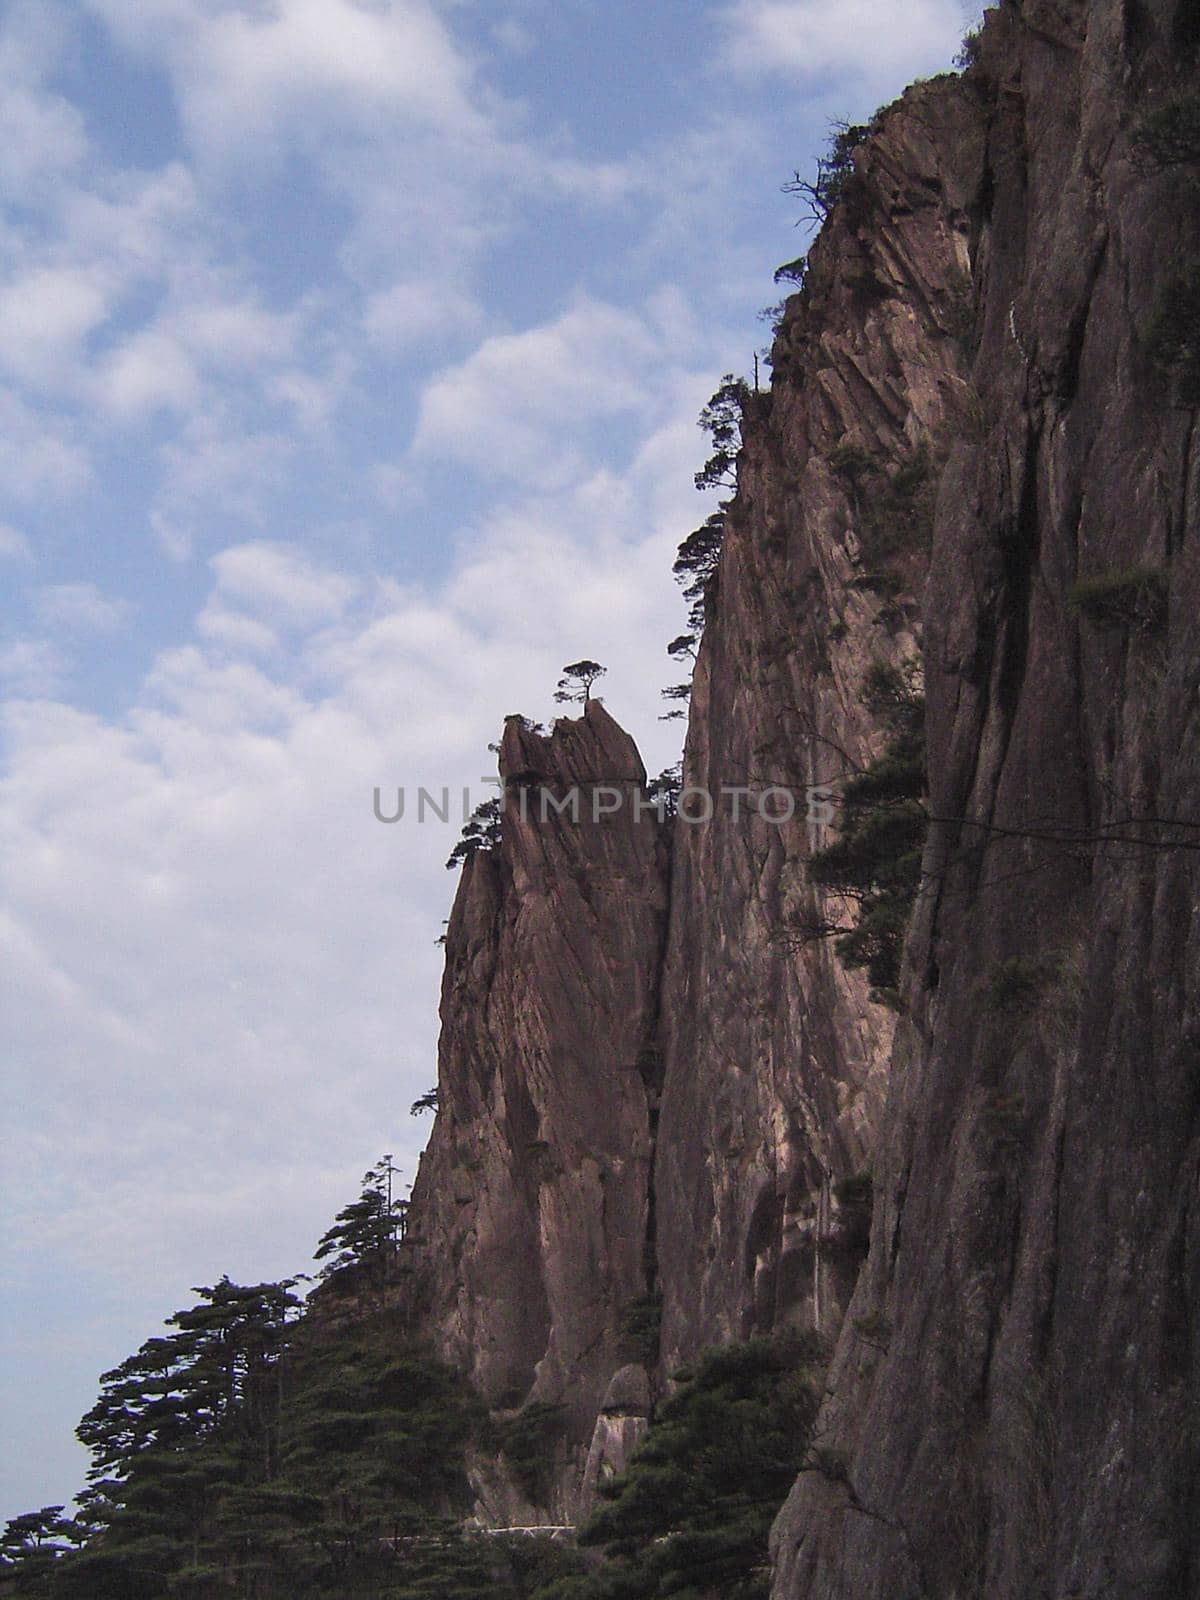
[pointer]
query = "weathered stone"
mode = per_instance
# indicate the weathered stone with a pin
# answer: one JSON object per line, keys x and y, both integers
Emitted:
{"x": 1013, "y": 1405}
{"x": 530, "y": 1210}
{"x": 775, "y": 1057}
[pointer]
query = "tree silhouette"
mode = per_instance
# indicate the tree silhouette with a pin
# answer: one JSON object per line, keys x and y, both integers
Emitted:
{"x": 364, "y": 1232}
{"x": 482, "y": 832}
{"x": 575, "y": 685}
{"x": 721, "y": 419}
{"x": 834, "y": 170}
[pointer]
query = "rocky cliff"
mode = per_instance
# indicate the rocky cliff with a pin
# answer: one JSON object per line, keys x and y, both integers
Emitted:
{"x": 1012, "y": 1409}
{"x": 974, "y": 476}
{"x": 531, "y": 1210}
{"x": 776, "y": 1059}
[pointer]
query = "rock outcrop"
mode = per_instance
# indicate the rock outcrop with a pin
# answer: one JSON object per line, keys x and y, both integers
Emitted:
{"x": 531, "y": 1207}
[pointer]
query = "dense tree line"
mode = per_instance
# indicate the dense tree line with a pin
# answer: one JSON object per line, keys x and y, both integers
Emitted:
{"x": 261, "y": 1450}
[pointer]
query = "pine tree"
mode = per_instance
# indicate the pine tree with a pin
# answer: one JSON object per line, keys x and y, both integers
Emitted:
{"x": 365, "y": 1232}
{"x": 575, "y": 685}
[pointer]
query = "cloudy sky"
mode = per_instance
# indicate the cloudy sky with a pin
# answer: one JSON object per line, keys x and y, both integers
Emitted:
{"x": 350, "y": 355}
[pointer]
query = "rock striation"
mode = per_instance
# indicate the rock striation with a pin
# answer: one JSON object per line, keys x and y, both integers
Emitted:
{"x": 776, "y": 1060}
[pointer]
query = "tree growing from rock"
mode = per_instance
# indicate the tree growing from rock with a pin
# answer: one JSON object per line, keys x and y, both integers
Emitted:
{"x": 721, "y": 419}
{"x": 482, "y": 832}
{"x": 834, "y": 170}
{"x": 575, "y": 685}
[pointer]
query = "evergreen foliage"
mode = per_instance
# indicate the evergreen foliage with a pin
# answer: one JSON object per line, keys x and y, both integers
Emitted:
{"x": 256, "y": 1453}
{"x": 528, "y": 1440}
{"x": 575, "y": 685}
{"x": 968, "y": 57}
{"x": 676, "y": 692}
{"x": 876, "y": 860}
{"x": 1135, "y": 597}
{"x": 721, "y": 419}
{"x": 365, "y": 1232}
{"x": 692, "y": 1513}
{"x": 482, "y": 832}
{"x": 696, "y": 567}
{"x": 640, "y": 1330}
{"x": 665, "y": 789}
{"x": 259, "y": 1457}
{"x": 893, "y": 510}
{"x": 793, "y": 272}
{"x": 834, "y": 170}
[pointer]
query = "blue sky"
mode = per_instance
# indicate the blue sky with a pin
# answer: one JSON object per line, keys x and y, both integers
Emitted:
{"x": 350, "y": 355}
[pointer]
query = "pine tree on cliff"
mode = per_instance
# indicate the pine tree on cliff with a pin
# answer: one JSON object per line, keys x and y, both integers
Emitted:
{"x": 482, "y": 832}
{"x": 575, "y": 685}
{"x": 365, "y": 1232}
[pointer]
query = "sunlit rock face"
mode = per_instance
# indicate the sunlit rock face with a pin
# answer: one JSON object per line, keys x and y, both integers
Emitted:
{"x": 776, "y": 1060}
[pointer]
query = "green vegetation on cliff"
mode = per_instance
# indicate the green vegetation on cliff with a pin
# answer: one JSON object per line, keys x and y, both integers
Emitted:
{"x": 259, "y": 1451}
{"x": 261, "y": 1454}
{"x": 692, "y": 1513}
{"x": 876, "y": 860}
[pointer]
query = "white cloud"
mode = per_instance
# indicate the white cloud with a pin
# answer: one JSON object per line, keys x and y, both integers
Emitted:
{"x": 82, "y": 608}
{"x": 31, "y": 668}
{"x": 283, "y": 583}
{"x": 245, "y": 74}
{"x": 829, "y": 41}
{"x": 236, "y": 333}
{"x": 500, "y": 411}
{"x": 220, "y": 971}
{"x": 234, "y": 631}
{"x": 149, "y": 371}
{"x": 203, "y": 918}
{"x": 41, "y": 456}
{"x": 414, "y": 313}
{"x": 164, "y": 364}
{"x": 45, "y": 315}
{"x": 42, "y": 135}
{"x": 217, "y": 463}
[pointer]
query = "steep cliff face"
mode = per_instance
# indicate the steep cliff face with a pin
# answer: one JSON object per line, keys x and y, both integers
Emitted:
{"x": 976, "y": 466}
{"x": 1012, "y": 1410}
{"x": 775, "y": 1057}
{"x": 531, "y": 1207}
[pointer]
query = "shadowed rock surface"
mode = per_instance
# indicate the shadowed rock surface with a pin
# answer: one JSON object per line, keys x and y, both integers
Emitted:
{"x": 775, "y": 1058}
{"x": 1023, "y": 1421}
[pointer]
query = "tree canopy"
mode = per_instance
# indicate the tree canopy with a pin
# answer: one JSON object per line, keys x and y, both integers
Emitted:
{"x": 575, "y": 685}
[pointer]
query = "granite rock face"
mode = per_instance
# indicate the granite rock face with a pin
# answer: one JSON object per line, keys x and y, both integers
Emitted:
{"x": 776, "y": 1060}
{"x": 530, "y": 1210}
{"x": 1024, "y": 1419}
